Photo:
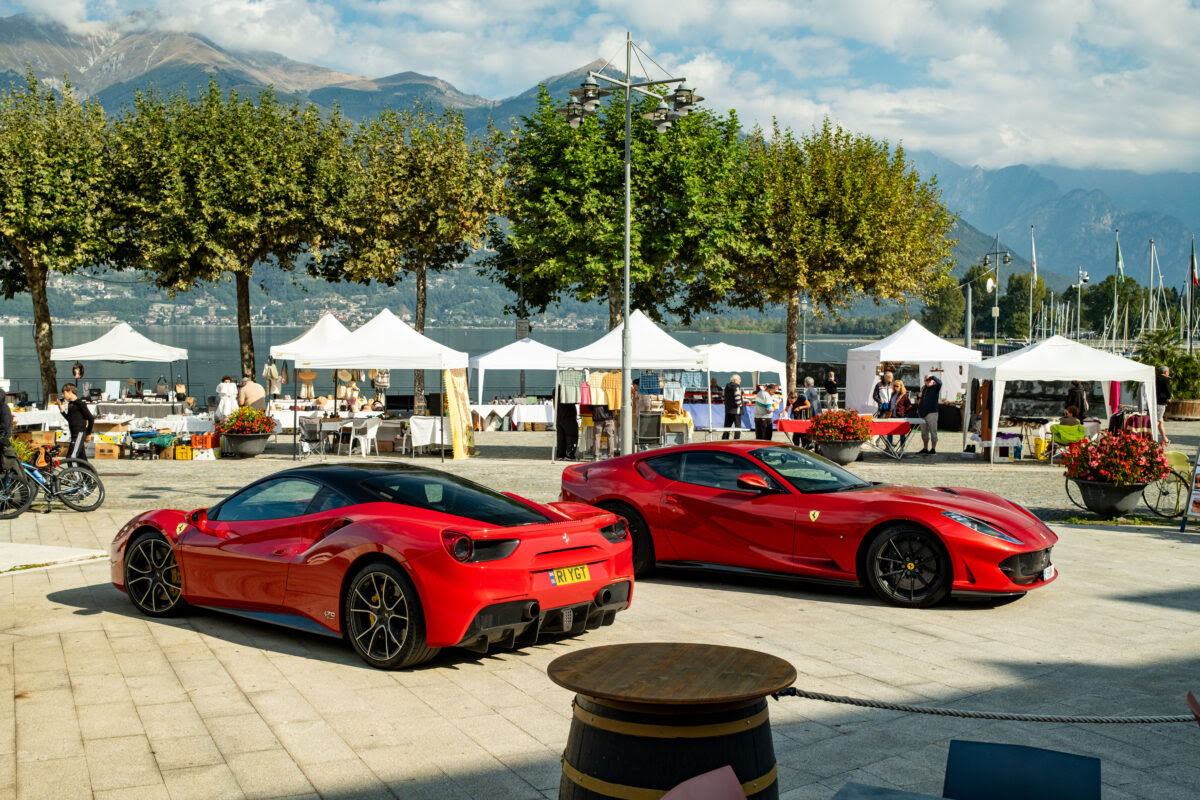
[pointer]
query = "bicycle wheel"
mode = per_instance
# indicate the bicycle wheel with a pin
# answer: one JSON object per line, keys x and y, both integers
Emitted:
{"x": 80, "y": 488}
{"x": 1074, "y": 495}
{"x": 63, "y": 463}
{"x": 16, "y": 495}
{"x": 1167, "y": 496}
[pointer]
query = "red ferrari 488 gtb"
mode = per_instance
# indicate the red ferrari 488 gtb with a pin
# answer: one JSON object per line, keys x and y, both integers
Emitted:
{"x": 757, "y": 507}
{"x": 400, "y": 560}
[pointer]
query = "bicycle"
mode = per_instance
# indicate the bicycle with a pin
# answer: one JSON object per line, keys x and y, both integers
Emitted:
{"x": 1169, "y": 495}
{"x": 72, "y": 481}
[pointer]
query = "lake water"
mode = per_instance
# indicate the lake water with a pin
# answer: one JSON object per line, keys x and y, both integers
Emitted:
{"x": 213, "y": 352}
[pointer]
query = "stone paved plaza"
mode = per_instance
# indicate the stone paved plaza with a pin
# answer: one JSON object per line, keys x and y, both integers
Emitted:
{"x": 98, "y": 701}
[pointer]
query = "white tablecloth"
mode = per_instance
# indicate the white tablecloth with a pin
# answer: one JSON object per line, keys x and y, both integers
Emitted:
{"x": 50, "y": 418}
{"x": 285, "y": 418}
{"x": 180, "y": 423}
{"x": 541, "y": 412}
{"x": 428, "y": 430}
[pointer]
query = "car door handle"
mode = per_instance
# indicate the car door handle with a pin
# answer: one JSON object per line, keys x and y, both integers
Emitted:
{"x": 671, "y": 500}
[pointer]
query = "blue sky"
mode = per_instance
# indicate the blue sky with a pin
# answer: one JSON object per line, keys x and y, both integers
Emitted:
{"x": 990, "y": 82}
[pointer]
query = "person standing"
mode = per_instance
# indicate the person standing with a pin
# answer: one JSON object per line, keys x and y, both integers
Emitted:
{"x": 1162, "y": 396}
{"x": 733, "y": 406}
{"x": 764, "y": 405}
{"x": 831, "y": 391}
{"x": 798, "y": 408}
{"x": 1077, "y": 396}
{"x": 227, "y": 393}
{"x": 927, "y": 409}
{"x": 901, "y": 407}
{"x": 602, "y": 423}
{"x": 814, "y": 396}
{"x": 882, "y": 395}
{"x": 79, "y": 420}
{"x": 252, "y": 394}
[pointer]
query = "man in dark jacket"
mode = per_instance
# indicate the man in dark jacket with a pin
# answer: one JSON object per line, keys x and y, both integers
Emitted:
{"x": 1162, "y": 396}
{"x": 733, "y": 406}
{"x": 927, "y": 409}
{"x": 79, "y": 420}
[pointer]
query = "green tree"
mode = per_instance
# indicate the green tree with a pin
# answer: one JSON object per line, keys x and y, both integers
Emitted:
{"x": 944, "y": 312}
{"x": 54, "y": 192}
{"x": 426, "y": 195}
{"x": 1098, "y": 304}
{"x": 839, "y": 216}
{"x": 566, "y": 210}
{"x": 211, "y": 188}
{"x": 1014, "y": 304}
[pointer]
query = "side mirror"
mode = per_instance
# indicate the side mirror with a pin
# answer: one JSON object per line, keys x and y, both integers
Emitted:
{"x": 753, "y": 483}
{"x": 198, "y": 517}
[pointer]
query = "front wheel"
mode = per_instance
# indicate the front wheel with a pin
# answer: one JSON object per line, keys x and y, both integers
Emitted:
{"x": 382, "y": 618}
{"x": 16, "y": 494}
{"x": 152, "y": 577}
{"x": 80, "y": 488}
{"x": 639, "y": 532}
{"x": 908, "y": 567}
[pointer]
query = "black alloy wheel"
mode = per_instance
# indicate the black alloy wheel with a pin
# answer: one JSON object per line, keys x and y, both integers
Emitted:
{"x": 383, "y": 620}
{"x": 908, "y": 567}
{"x": 639, "y": 532}
{"x": 1168, "y": 496}
{"x": 16, "y": 495}
{"x": 152, "y": 576}
{"x": 80, "y": 488}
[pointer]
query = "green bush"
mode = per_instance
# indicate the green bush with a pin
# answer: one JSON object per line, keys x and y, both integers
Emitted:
{"x": 1158, "y": 348}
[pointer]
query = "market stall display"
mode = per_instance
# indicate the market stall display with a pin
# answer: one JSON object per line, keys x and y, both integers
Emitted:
{"x": 523, "y": 354}
{"x": 123, "y": 344}
{"x": 912, "y": 344}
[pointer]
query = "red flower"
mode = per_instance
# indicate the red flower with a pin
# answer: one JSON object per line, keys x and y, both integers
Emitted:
{"x": 246, "y": 421}
{"x": 1121, "y": 458}
{"x": 840, "y": 426}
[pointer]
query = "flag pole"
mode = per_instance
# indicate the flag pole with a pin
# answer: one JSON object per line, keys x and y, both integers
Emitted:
{"x": 1032, "y": 281}
{"x": 1191, "y": 283}
{"x": 1119, "y": 276}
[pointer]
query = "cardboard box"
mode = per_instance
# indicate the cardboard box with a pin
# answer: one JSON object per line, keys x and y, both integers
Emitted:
{"x": 539, "y": 426}
{"x": 204, "y": 454}
{"x": 385, "y": 446}
{"x": 167, "y": 453}
{"x": 183, "y": 452}
{"x": 107, "y": 452}
{"x": 100, "y": 426}
{"x": 42, "y": 438}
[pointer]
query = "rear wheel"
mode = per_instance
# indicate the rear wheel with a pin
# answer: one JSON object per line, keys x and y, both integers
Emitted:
{"x": 1168, "y": 496}
{"x": 382, "y": 618}
{"x": 16, "y": 494}
{"x": 80, "y": 488}
{"x": 639, "y": 532}
{"x": 152, "y": 577}
{"x": 907, "y": 566}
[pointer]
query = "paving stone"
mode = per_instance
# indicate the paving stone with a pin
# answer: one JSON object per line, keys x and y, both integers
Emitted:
{"x": 183, "y": 752}
{"x": 268, "y": 773}
{"x": 105, "y": 720}
{"x": 120, "y": 761}
{"x": 215, "y": 782}
{"x": 241, "y": 733}
{"x": 59, "y": 778}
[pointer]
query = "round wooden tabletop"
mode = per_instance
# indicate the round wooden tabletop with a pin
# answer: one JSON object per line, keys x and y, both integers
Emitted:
{"x": 671, "y": 673}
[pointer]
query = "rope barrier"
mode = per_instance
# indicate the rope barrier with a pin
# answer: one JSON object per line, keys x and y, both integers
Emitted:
{"x": 952, "y": 712}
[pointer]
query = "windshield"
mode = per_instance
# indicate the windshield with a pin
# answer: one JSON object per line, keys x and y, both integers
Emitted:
{"x": 451, "y": 494}
{"x": 807, "y": 471}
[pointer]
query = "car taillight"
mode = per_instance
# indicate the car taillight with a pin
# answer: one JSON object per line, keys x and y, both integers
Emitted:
{"x": 470, "y": 551}
{"x": 616, "y": 532}
{"x": 458, "y": 545}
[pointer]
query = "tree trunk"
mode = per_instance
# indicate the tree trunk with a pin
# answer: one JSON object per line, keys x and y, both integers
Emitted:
{"x": 419, "y": 324}
{"x": 245, "y": 333}
{"x": 43, "y": 333}
{"x": 793, "y": 335}
{"x": 616, "y": 304}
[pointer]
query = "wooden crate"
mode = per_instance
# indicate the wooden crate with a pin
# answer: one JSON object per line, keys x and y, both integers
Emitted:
{"x": 385, "y": 446}
{"x": 107, "y": 452}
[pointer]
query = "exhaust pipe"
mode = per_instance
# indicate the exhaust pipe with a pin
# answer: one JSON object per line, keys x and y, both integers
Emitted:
{"x": 604, "y": 598}
{"x": 531, "y": 610}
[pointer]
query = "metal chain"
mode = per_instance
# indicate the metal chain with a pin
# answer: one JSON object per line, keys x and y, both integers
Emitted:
{"x": 951, "y": 712}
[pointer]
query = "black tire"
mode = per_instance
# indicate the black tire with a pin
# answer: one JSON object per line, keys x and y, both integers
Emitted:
{"x": 16, "y": 493}
{"x": 1168, "y": 496}
{"x": 1074, "y": 495}
{"x": 63, "y": 463}
{"x": 908, "y": 567}
{"x": 80, "y": 488}
{"x": 382, "y": 618}
{"x": 153, "y": 580}
{"x": 639, "y": 532}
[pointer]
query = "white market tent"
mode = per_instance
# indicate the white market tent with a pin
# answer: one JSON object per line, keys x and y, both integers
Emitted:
{"x": 315, "y": 339}
{"x": 1059, "y": 359}
{"x": 384, "y": 342}
{"x": 525, "y": 354}
{"x": 728, "y": 358}
{"x": 912, "y": 344}
{"x": 653, "y": 348}
{"x": 122, "y": 345}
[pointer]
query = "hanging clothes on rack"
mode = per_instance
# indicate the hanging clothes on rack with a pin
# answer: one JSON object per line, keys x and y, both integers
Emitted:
{"x": 569, "y": 385}
{"x": 272, "y": 377}
{"x": 306, "y": 378}
{"x": 611, "y": 383}
{"x": 596, "y": 389}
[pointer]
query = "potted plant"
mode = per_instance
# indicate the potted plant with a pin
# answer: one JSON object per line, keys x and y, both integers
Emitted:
{"x": 246, "y": 430}
{"x": 1112, "y": 471}
{"x": 840, "y": 434}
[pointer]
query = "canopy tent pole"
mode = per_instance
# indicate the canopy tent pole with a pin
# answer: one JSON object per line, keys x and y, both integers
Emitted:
{"x": 708, "y": 378}
{"x": 296, "y": 413}
{"x": 554, "y": 417}
{"x": 442, "y": 416}
{"x": 187, "y": 381}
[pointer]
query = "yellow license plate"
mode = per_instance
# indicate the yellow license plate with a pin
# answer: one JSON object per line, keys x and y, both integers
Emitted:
{"x": 561, "y": 577}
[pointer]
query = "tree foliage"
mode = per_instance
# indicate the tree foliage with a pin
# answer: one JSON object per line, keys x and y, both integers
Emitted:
{"x": 211, "y": 187}
{"x": 839, "y": 216}
{"x": 54, "y": 192}
{"x": 1014, "y": 304}
{"x": 943, "y": 313}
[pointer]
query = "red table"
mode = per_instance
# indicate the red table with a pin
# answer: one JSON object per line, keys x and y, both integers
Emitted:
{"x": 879, "y": 427}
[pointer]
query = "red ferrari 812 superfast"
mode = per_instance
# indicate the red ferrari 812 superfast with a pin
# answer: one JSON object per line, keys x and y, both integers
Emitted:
{"x": 399, "y": 560}
{"x": 763, "y": 508}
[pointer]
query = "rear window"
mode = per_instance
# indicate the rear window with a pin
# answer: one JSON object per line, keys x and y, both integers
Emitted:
{"x": 450, "y": 494}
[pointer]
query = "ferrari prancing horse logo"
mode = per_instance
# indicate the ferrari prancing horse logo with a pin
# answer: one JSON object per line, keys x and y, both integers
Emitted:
{"x": 180, "y": 527}
{"x": 812, "y": 515}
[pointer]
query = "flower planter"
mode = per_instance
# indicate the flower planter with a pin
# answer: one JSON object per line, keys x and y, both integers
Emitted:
{"x": 843, "y": 452}
{"x": 1183, "y": 409}
{"x": 246, "y": 445}
{"x": 1109, "y": 500}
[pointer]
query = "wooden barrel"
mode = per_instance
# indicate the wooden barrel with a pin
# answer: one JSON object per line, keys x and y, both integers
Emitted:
{"x": 1183, "y": 409}
{"x": 636, "y": 752}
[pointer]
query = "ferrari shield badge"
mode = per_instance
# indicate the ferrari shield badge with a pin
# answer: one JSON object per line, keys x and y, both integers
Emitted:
{"x": 179, "y": 528}
{"x": 812, "y": 515}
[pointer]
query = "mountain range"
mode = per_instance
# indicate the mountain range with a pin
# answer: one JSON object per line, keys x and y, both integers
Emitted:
{"x": 1075, "y": 211}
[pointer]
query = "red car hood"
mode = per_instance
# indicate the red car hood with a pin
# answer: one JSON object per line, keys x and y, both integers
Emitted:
{"x": 990, "y": 508}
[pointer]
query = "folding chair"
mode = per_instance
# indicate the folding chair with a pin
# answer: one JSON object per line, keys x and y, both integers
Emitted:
{"x": 988, "y": 771}
{"x": 1063, "y": 436}
{"x": 311, "y": 440}
{"x": 649, "y": 430}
